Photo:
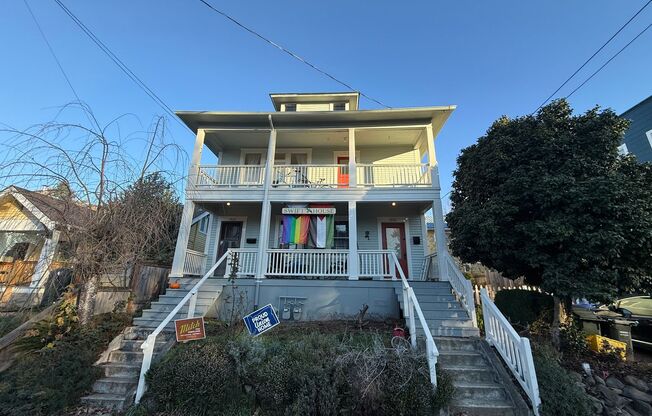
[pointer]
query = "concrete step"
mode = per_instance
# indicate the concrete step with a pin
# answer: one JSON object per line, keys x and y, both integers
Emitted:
{"x": 151, "y": 324}
{"x": 155, "y": 314}
{"x": 437, "y": 306}
{"x": 169, "y": 306}
{"x": 134, "y": 345}
{"x": 488, "y": 392}
{"x": 470, "y": 374}
{"x": 172, "y": 301}
{"x": 445, "y": 314}
{"x": 447, "y": 331}
{"x": 462, "y": 358}
{"x": 121, "y": 369}
{"x": 452, "y": 322}
{"x": 472, "y": 407}
{"x": 433, "y": 298}
{"x": 107, "y": 401}
{"x": 180, "y": 293}
{"x": 126, "y": 357}
{"x": 115, "y": 385}
{"x": 455, "y": 344}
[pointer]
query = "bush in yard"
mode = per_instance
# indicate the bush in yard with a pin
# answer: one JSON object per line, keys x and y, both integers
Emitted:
{"x": 47, "y": 380}
{"x": 560, "y": 395}
{"x": 523, "y": 307}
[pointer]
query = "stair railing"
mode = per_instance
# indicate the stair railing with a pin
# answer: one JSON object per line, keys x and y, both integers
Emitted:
{"x": 150, "y": 342}
{"x": 514, "y": 349}
{"x": 410, "y": 307}
{"x": 462, "y": 286}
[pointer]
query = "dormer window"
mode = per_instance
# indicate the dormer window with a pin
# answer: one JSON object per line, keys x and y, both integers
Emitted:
{"x": 339, "y": 106}
{"x": 290, "y": 107}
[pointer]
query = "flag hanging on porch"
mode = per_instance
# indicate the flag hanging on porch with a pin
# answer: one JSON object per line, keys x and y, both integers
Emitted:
{"x": 322, "y": 228}
{"x": 295, "y": 229}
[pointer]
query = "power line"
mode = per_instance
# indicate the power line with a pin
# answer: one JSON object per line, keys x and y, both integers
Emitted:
{"x": 592, "y": 56}
{"x": 123, "y": 67}
{"x": 610, "y": 59}
{"x": 292, "y": 54}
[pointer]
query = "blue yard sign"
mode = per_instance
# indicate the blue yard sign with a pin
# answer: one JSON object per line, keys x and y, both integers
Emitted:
{"x": 261, "y": 320}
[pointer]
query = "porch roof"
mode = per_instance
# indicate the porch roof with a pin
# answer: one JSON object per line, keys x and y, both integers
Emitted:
{"x": 310, "y": 119}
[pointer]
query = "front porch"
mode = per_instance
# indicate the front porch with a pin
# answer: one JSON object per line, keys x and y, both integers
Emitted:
{"x": 360, "y": 246}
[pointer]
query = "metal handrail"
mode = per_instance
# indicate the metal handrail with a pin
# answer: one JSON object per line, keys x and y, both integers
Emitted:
{"x": 514, "y": 349}
{"x": 411, "y": 305}
{"x": 148, "y": 345}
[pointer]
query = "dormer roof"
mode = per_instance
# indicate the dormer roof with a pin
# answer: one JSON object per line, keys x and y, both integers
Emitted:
{"x": 352, "y": 98}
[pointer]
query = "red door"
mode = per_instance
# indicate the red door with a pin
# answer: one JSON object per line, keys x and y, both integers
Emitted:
{"x": 394, "y": 239}
{"x": 343, "y": 172}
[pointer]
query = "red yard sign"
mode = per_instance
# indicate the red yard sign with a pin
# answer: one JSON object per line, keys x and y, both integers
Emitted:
{"x": 189, "y": 329}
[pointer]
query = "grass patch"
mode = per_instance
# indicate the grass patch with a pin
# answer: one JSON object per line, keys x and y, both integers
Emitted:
{"x": 295, "y": 370}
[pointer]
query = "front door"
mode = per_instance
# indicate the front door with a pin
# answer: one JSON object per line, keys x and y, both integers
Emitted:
{"x": 230, "y": 236}
{"x": 393, "y": 237}
{"x": 343, "y": 172}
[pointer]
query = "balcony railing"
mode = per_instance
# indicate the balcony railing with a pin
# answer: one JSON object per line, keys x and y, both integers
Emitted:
{"x": 311, "y": 176}
{"x": 243, "y": 259}
{"x": 316, "y": 176}
{"x": 231, "y": 175}
{"x": 394, "y": 175}
{"x": 376, "y": 264}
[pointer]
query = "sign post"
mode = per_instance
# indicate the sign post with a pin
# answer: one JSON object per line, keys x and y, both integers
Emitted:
{"x": 261, "y": 320}
{"x": 189, "y": 329}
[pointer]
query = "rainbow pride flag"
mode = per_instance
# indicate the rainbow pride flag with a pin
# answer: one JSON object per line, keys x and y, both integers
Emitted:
{"x": 295, "y": 229}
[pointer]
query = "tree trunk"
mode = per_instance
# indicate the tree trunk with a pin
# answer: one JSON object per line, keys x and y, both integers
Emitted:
{"x": 559, "y": 317}
{"x": 86, "y": 304}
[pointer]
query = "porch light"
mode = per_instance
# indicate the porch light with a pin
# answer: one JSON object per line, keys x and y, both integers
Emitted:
{"x": 228, "y": 204}
{"x": 393, "y": 204}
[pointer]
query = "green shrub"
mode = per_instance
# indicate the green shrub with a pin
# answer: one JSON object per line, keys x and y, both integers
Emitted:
{"x": 523, "y": 307}
{"x": 306, "y": 374}
{"x": 47, "y": 380}
{"x": 560, "y": 396}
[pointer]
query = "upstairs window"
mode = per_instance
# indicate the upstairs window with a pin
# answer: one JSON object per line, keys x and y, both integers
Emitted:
{"x": 290, "y": 107}
{"x": 339, "y": 106}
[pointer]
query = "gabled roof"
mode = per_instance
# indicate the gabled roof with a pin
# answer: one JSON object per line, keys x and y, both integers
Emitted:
{"x": 48, "y": 210}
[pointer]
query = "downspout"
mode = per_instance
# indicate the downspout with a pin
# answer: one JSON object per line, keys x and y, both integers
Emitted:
{"x": 265, "y": 199}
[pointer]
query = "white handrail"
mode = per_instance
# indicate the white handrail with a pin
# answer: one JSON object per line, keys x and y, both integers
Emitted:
{"x": 514, "y": 349}
{"x": 429, "y": 263}
{"x": 462, "y": 286}
{"x": 411, "y": 305}
{"x": 148, "y": 345}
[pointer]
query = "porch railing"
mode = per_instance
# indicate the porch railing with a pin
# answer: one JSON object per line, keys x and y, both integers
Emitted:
{"x": 309, "y": 263}
{"x": 462, "y": 286}
{"x": 194, "y": 263}
{"x": 410, "y": 308}
{"x": 376, "y": 263}
{"x": 393, "y": 175}
{"x": 514, "y": 349}
{"x": 429, "y": 270}
{"x": 231, "y": 175}
{"x": 150, "y": 342}
{"x": 246, "y": 261}
{"x": 310, "y": 176}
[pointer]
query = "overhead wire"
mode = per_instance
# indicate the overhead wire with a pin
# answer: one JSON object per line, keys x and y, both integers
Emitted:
{"x": 290, "y": 53}
{"x": 593, "y": 56}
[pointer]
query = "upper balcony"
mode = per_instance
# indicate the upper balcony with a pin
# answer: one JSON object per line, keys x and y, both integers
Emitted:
{"x": 315, "y": 176}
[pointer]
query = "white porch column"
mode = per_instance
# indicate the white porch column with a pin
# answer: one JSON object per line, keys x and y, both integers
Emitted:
{"x": 266, "y": 211}
{"x": 188, "y": 208}
{"x": 437, "y": 210}
{"x": 44, "y": 262}
{"x": 353, "y": 242}
{"x": 353, "y": 170}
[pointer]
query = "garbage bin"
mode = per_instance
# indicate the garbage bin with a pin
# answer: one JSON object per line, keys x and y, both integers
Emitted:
{"x": 621, "y": 330}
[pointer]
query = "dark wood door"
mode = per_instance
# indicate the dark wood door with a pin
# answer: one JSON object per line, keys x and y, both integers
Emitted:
{"x": 230, "y": 237}
{"x": 393, "y": 237}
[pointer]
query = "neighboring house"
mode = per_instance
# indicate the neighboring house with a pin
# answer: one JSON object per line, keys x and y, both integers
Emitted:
{"x": 316, "y": 190}
{"x": 638, "y": 138}
{"x": 31, "y": 244}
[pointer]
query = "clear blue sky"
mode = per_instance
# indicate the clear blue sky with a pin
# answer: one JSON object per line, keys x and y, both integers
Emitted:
{"x": 488, "y": 58}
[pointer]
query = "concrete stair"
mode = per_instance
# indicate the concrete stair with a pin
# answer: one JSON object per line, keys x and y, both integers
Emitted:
{"x": 443, "y": 312}
{"x": 479, "y": 389}
{"x": 115, "y": 391}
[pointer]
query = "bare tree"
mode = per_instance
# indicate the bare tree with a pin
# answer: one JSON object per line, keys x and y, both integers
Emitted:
{"x": 108, "y": 224}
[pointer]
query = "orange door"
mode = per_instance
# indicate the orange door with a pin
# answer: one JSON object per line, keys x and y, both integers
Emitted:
{"x": 394, "y": 239}
{"x": 343, "y": 172}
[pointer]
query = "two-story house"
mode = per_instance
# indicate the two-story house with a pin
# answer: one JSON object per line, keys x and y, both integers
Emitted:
{"x": 313, "y": 198}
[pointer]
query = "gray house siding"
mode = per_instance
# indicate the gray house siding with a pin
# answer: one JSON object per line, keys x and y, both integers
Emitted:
{"x": 636, "y": 139}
